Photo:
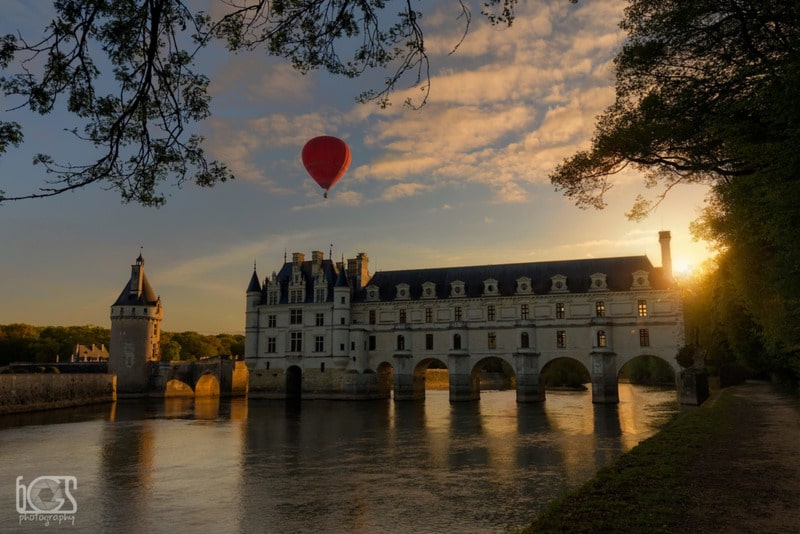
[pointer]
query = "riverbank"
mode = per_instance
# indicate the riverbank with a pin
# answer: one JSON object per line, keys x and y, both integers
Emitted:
{"x": 731, "y": 465}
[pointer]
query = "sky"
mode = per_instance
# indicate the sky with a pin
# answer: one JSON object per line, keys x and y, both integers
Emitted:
{"x": 461, "y": 181}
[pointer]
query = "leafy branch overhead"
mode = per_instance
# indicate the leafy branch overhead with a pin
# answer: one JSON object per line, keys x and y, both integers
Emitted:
{"x": 126, "y": 70}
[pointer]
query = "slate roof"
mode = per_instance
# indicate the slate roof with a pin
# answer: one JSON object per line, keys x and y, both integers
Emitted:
{"x": 254, "y": 286}
{"x": 618, "y": 273}
{"x": 147, "y": 297}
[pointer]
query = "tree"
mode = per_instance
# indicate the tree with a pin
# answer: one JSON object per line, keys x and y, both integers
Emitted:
{"x": 705, "y": 93}
{"x": 146, "y": 51}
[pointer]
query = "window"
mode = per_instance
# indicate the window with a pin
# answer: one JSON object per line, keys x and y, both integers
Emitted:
{"x": 490, "y": 312}
{"x": 600, "y": 309}
{"x": 295, "y": 316}
{"x": 273, "y": 297}
{"x": 320, "y": 319}
{"x": 403, "y": 316}
{"x": 524, "y": 340}
{"x": 523, "y": 311}
{"x": 372, "y": 343}
{"x": 272, "y": 321}
{"x": 319, "y": 343}
{"x": 457, "y": 313}
{"x": 644, "y": 337}
{"x": 322, "y": 367}
{"x": 561, "y": 339}
{"x": 601, "y": 338}
{"x": 271, "y": 344}
{"x": 491, "y": 341}
{"x": 559, "y": 310}
{"x": 372, "y": 317}
{"x": 343, "y": 300}
{"x": 133, "y": 311}
{"x": 428, "y": 315}
{"x": 642, "y": 308}
{"x": 401, "y": 343}
{"x": 319, "y": 294}
{"x": 295, "y": 295}
{"x": 428, "y": 341}
{"x": 341, "y": 320}
{"x": 457, "y": 341}
{"x": 296, "y": 342}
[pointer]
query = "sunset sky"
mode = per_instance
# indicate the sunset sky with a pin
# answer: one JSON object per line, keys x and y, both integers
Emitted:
{"x": 462, "y": 181}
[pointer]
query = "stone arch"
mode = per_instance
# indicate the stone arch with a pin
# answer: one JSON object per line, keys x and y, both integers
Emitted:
{"x": 178, "y": 388}
{"x": 571, "y": 374}
{"x": 294, "y": 382}
{"x": 420, "y": 371}
{"x": 494, "y": 372}
{"x": 207, "y": 386}
{"x": 650, "y": 368}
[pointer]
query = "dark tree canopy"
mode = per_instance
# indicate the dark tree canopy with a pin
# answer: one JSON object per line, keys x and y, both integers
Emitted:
{"x": 704, "y": 94}
{"x": 145, "y": 50}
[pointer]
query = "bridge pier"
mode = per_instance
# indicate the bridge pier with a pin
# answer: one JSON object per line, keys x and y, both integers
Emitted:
{"x": 463, "y": 385}
{"x": 407, "y": 386}
{"x": 604, "y": 378}
{"x": 526, "y": 367}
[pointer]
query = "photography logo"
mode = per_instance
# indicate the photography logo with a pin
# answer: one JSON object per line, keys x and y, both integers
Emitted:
{"x": 47, "y": 499}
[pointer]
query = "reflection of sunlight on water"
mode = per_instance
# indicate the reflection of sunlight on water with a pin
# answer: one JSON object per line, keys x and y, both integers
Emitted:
{"x": 641, "y": 410}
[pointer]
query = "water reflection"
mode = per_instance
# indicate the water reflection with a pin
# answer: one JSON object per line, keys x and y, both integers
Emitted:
{"x": 326, "y": 466}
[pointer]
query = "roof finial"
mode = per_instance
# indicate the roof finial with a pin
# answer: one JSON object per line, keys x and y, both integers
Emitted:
{"x": 330, "y": 253}
{"x": 284, "y": 254}
{"x": 254, "y": 265}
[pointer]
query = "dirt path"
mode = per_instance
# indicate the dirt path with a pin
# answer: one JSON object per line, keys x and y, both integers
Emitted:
{"x": 750, "y": 481}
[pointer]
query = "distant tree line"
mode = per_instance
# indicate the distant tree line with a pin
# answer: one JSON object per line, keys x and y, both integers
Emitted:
{"x": 44, "y": 344}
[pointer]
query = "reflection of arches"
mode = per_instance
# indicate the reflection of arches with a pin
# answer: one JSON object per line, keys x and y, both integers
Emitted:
{"x": 178, "y": 388}
{"x": 207, "y": 386}
{"x": 564, "y": 372}
{"x": 294, "y": 382}
{"x": 647, "y": 369}
{"x": 385, "y": 379}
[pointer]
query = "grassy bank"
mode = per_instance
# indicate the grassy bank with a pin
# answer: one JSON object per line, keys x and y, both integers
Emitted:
{"x": 643, "y": 491}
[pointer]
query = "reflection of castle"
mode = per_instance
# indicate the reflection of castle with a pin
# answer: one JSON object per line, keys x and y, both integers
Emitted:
{"x": 326, "y": 330}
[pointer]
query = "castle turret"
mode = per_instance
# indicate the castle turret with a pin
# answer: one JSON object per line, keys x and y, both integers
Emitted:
{"x": 136, "y": 318}
{"x": 251, "y": 316}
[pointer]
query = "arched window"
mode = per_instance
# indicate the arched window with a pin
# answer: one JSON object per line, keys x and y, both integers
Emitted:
{"x": 524, "y": 340}
{"x": 457, "y": 341}
{"x": 401, "y": 343}
{"x": 601, "y": 338}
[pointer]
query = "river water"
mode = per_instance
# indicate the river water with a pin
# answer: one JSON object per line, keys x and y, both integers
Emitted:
{"x": 317, "y": 466}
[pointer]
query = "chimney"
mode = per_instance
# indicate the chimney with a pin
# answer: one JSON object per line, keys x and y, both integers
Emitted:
{"x": 666, "y": 256}
{"x": 358, "y": 270}
{"x": 316, "y": 262}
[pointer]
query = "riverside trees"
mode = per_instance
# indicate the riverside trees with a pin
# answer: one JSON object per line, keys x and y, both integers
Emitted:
{"x": 705, "y": 93}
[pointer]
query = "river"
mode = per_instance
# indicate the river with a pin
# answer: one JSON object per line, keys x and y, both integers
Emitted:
{"x": 318, "y": 466}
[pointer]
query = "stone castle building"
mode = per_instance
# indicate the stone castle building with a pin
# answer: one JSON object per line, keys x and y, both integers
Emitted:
{"x": 135, "y": 333}
{"x": 319, "y": 329}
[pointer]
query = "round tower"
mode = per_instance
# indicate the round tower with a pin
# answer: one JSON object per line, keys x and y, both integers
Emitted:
{"x": 135, "y": 333}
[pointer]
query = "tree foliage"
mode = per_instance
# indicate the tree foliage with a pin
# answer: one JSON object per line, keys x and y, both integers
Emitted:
{"x": 706, "y": 93}
{"x": 126, "y": 70}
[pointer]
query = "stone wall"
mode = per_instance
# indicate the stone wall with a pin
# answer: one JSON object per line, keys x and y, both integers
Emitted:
{"x": 32, "y": 392}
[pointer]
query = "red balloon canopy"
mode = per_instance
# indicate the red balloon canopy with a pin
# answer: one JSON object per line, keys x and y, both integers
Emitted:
{"x": 326, "y": 159}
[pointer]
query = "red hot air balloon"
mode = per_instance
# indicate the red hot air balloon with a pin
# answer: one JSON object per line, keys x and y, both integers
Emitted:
{"x": 326, "y": 159}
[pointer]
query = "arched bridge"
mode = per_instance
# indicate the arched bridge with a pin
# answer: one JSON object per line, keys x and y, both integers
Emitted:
{"x": 208, "y": 377}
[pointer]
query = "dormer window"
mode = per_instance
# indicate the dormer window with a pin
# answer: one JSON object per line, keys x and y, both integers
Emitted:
{"x": 403, "y": 292}
{"x": 558, "y": 284}
{"x": 457, "y": 289}
{"x": 641, "y": 280}
{"x": 524, "y": 286}
{"x": 429, "y": 290}
{"x": 373, "y": 293}
{"x": 598, "y": 282}
{"x": 490, "y": 287}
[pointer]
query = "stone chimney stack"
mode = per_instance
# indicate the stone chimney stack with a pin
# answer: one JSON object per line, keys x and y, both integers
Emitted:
{"x": 664, "y": 238}
{"x": 358, "y": 270}
{"x": 316, "y": 262}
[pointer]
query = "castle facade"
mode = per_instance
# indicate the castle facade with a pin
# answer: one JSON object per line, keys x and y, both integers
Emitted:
{"x": 320, "y": 329}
